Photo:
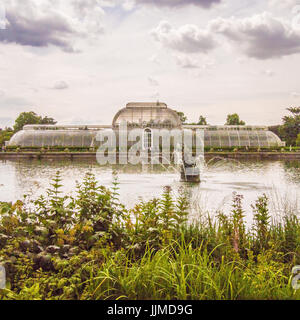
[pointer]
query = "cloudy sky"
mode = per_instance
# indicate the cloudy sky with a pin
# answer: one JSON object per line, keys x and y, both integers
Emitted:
{"x": 80, "y": 61}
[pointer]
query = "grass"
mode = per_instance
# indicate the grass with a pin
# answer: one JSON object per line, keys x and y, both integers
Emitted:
{"x": 91, "y": 247}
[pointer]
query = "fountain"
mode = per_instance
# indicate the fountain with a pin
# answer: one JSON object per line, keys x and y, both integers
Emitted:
{"x": 190, "y": 173}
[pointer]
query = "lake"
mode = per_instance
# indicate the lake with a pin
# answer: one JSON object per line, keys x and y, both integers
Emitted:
{"x": 279, "y": 180}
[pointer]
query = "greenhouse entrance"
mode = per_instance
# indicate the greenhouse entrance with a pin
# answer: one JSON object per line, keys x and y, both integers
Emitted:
{"x": 147, "y": 139}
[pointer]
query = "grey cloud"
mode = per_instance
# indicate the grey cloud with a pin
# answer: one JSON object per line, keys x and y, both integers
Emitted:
{"x": 51, "y": 22}
{"x": 89, "y": 13}
{"x": 188, "y": 38}
{"x": 268, "y": 73}
{"x": 180, "y": 3}
{"x": 153, "y": 82}
{"x": 295, "y": 94}
{"x": 37, "y": 31}
{"x": 286, "y": 4}
{"x": 60, "y": 85}
{"x": 186, "y": 62}
{"x": 261, "y": 36}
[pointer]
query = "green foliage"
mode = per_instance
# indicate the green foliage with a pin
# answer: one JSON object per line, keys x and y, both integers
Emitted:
{"x": 298, "y": 140}
{"x": 5, "y": 135}
{"x": 31, "y": 118}
{"x": 289, "y": 131}
{"x": 182, "y": 117}
{"x": 234, "y": 120}
{"x": 202, "y": 121}
{"x": 89, "y": 246}
{"x": 291, "y": 126}
{"x": 262, "y": 221}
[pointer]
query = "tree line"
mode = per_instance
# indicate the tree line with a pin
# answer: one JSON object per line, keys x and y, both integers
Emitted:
{"x": 232, "y": 120}
{"x": 289, "y": 130}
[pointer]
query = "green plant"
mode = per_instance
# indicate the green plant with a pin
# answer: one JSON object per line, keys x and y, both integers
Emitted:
{"x": 262, "y": 221}
{"x": 89, "y": 246}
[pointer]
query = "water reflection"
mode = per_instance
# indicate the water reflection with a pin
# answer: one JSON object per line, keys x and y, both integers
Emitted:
{"x": 280, "y": 180}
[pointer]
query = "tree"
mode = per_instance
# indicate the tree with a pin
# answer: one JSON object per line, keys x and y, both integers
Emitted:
{"x": 31, "y": 118}
{"x": 298, "y": 140}
{"x": 290, "y": 129}
{"x": 182, "y": 117}
{"x": 234, "y": 120}
{"x": 47, "y": 120}
{"x": 5, "y": 135}
{"x": 202, "y": 121}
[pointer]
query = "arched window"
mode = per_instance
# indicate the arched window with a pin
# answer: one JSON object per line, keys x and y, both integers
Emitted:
{"x": 147, "y": 139}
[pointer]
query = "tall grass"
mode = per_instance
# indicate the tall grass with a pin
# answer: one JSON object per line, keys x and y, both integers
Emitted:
{"x": 182, "y": 272}
{"x": 91, "y": 247}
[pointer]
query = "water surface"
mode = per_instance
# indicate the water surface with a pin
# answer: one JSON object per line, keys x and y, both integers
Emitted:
{"x": 280, "y": 180}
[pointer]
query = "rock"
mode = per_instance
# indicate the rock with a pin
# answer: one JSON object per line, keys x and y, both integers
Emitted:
{"x": 36, "y": 247}
{"x": 74, "y": 251}
{"x": 100, "y": 226}
{"x": 30, "y": 255}
{"x": 46, "y": 263}
{"x": 13, "y": 259}
{"x": 43, "y": 260}
{"x": 65, "y": 249}
{"x": 52, "y": 224}
{"x": 10, "y": 267}
{"x": 41, "y": 231}
{"x": 25, "y": 245}
{"x": 53, "y": 249}
{"x": 3, "y": 240}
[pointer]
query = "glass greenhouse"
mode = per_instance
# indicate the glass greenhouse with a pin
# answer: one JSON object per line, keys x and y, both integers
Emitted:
{"x": 147, "y": 116}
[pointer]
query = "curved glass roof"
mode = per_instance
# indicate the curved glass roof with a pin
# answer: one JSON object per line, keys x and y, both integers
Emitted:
{"x": 87, "y": 138}
{"x": 51, "y": 138}
{"x": 241, "y": 138}
{"x": 147, "y": 114}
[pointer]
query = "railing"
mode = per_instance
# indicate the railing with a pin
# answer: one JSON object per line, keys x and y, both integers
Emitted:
{"x": 229, "y": 128}
{"x": 66, "y": 127}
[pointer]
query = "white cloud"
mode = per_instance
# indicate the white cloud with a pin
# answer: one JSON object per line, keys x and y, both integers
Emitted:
{"x": 43, "y": 23}
{"x": 208, "y": 63}
{"x": 60, "y": 85}
{"x": 187, "y": 38}
{"x": 186, "y": 62}
{"x": 283, "y": 4}
{"x": 179, "y": 3}
{"x": 268, "y": 73}
{"x": 261, "y": 36}
{"x": 295, "y": 94}
{"x": 119, "y": 62}
{"x": 153, "y": 82}
{"x": 154, "y": 59}
{"x": 241, "y": 60}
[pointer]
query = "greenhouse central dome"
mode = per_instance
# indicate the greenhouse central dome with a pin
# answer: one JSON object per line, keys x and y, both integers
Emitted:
{"x": 148, "y": 116}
